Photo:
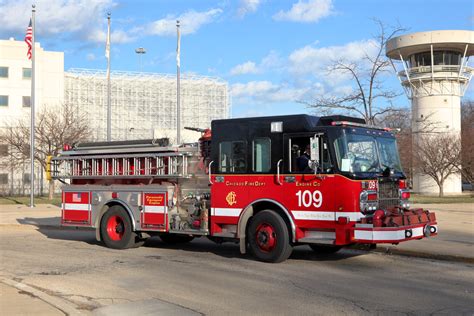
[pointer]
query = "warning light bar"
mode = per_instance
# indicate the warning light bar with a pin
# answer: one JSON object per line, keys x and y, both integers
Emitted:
{"x": 347, "y": 123}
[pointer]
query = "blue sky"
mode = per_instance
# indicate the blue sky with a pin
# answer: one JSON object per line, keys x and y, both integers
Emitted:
{"x": 272, "y": 52}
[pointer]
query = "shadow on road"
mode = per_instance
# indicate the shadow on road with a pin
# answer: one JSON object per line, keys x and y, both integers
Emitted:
{"x": 231, "y": 250}
{"x": 50, "y": 227}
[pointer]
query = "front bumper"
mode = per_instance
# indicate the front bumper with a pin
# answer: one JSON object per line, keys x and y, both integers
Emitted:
{"x": 367, "y": 234}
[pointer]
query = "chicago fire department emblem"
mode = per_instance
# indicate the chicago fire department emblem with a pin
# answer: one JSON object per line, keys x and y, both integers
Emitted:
{"x": 231, "y": 198}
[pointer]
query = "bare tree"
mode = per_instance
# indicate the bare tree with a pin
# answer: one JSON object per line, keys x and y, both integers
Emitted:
{"x": 370, "y": 98}
{"x": 467, "y": 140}
{"x": 55, "y": 126}
{"x": 437, "y": 156}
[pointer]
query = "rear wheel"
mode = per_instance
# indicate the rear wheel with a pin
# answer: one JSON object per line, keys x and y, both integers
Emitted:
{"x": 325, "y": 249}
{"x": 116, "y": 229}
{"x": 268, "y": 237}
{"x": 176, "y": 238}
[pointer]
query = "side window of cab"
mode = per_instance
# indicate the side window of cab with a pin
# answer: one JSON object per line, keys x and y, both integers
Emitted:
{"x": 300, "y": 156}
{"x": 233, "y": 157}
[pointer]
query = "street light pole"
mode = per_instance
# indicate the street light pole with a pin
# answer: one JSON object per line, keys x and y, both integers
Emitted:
{"x": 140, "y": 51}
{"x": 178, "y": 88}
{"x": 109, "y": 105}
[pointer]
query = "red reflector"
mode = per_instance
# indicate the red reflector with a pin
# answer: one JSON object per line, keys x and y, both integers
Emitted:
{"x": 114, "y": 195}
{"x": 405, "y": 195}
{"x": 402, "y": 184}
{"x": 372, "y": 197}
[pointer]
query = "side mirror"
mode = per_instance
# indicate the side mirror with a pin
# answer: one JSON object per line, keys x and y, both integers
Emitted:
{"x": 315, "y": 152}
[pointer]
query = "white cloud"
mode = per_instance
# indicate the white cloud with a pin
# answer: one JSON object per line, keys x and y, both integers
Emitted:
{"x": 190, "y": 22}
{"x": 304, "y": 74}
{"x": 247, "y": 6}
{"x": 54, "y": 16}
{"x": 252, "y": 88}
{"x": 117, "y": 37}
{"x": 267, "y": 92}
{"x": 90, "y": 57}
{"x": 248, "y": 67}
{"x": 313, "y": 61}
{"x": 306, "y": 11}
{"x": 271, "y": 62}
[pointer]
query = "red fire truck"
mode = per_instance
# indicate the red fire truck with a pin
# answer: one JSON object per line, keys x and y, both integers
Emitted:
{"x": 269, "y": 183}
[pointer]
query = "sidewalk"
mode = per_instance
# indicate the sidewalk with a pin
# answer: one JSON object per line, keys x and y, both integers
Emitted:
{"x": 455, "y": 240}
{"x": 18, "y": 302}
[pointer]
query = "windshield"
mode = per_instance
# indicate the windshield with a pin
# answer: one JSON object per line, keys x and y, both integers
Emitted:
{"x": 365, "y": 153}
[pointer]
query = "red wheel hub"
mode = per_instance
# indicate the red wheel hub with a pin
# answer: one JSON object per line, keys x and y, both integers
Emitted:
{"x": 265, "y": 237}
{"x": 115, "y": 227}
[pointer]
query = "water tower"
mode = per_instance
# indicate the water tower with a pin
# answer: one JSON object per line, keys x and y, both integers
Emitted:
{"x": 435, "y": 75}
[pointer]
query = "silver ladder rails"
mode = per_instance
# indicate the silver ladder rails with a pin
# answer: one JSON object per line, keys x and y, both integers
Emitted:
{"x": 155, "y": 165}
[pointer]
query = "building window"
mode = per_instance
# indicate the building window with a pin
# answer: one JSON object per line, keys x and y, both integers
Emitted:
{"x": 261, "y": 155}
{"x": 232, "y": 156}
{"x": 26, "y": 73}
{"x": 3, "y": 72}
{"x": 3, "y": 150}
{"x": 26, "y": 178}
{"x": 3, "y": 100}
{"x": 26, "y": 102}
{"x": 3, "y": 178}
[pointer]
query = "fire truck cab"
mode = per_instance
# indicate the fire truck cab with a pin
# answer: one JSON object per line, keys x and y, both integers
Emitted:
{"x": 270, "y": 183}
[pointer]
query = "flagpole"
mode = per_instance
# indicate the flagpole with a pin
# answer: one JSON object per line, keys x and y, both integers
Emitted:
{"x": 109, "y": 107}
{"x": 32, "y": 107}
{"x": 178, "y": 74}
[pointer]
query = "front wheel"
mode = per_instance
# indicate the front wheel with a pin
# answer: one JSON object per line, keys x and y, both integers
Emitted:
{"x": 116, "y": 229}
{"x": 268, "y": 237}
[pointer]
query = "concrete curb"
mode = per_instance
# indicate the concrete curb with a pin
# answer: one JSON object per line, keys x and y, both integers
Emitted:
{"x": 62, "y": 305}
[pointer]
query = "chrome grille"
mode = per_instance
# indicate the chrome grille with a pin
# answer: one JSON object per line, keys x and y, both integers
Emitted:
{"x": 388, "y": 194}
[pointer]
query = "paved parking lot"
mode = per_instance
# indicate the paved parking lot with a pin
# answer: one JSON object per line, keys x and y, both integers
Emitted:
{"x": 203, "y": 277}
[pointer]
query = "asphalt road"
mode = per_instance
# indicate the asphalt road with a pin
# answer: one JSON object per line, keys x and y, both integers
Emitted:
{"x": 215, "y": 279}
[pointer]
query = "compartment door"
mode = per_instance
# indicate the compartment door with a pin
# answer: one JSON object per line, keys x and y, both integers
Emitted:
{"x": 76, "y": 208}
{"x": 154, "y": 213}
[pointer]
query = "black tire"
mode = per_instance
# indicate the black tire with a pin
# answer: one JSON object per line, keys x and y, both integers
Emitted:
{"x": 173, "y": 239}
{"x": 116, "y": 229}
{"x": 325, "y": 249}
{"x": 268, "y": 237}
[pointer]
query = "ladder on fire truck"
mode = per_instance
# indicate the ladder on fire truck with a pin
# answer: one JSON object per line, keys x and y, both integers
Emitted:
{"x": 112, "y": 161}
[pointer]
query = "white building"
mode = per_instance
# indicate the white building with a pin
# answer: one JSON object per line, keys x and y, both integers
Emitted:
{"x": 435, "y": 75}
{"x": 143, "y": 104}
{"x": 15, "y": 92}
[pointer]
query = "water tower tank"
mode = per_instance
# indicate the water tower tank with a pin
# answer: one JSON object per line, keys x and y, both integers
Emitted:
{"x": 434, "y": 72}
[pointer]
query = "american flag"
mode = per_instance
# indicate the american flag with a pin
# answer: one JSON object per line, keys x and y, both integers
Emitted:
{"x": 29, "y": 39}
{"x": 76, "y": 197}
